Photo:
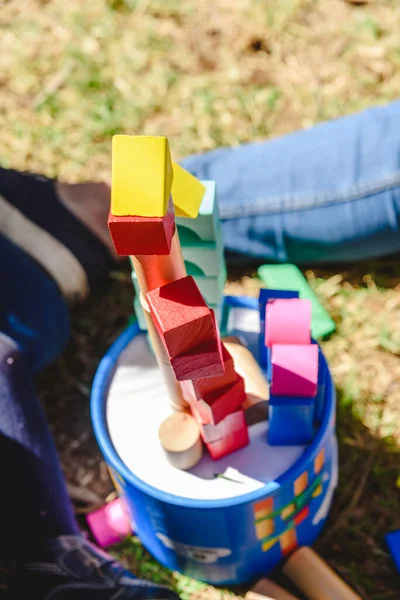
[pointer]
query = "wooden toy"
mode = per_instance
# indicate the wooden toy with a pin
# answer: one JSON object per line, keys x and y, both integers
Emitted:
{"x": 289, "y": 277}
{"x": 206, "y": 226}
{"x": 206, "y": 256}
{"x": 393, "y": 542}
{"x": 199, "y": 362}
{"x": 211, "y": 384}
{"x": 139, "y": 313}
{"x": 294, "y": 370}
{"x": 231, "y": 442}
{"x": 187, "y": 192}
{"x": 265, "y": 589}
{"x": 211, "y": 433}
{"x": 212, "y": 288}
{"x": 141, "y": 176}
{"x": 179, "y": 435}
{"x": 156, "y": 270}
{"x": 266, "y": 296}
{"x": 314, "y": 578}
{"x": 291, "y": 421}
{"x": 142, "y": 235}
{"x": 256, "y": 386}
{"x": 288, "y": 322}
{"x": 215, "y": 406}
{"x": 110, "y": 524}
{"x": 181, "y": 316}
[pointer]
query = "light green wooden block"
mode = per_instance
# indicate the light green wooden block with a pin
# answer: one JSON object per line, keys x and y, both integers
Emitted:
{"x": 212, "y": 288}
{"x": 206, "y": 226}
{"x": 206, "y": 256}
{"x": 139, "y": 314}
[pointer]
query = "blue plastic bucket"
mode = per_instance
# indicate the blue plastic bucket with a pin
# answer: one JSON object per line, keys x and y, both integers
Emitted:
{"x": 230, "y": 540}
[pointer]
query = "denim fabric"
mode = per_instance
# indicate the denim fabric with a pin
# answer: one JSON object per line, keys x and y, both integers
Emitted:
{"x": 330, "y": 193}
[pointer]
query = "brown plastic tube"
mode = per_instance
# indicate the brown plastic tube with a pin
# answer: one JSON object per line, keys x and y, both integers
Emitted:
{"x": 268, "y": 590}
{"x": 314, "y": 578}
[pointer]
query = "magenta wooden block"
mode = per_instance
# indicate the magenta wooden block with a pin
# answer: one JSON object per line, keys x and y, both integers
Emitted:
{"x": 288, "y": 322}
{"x": 294, "y": 370}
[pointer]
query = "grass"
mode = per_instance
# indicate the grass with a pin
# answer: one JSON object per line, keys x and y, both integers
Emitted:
{"x": 206, "y": 74}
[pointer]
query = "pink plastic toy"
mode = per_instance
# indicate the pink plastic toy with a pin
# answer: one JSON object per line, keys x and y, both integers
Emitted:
{"x": 110, "y": 524}
{"x": 294, "y": 370}
{"x": 288, "y": 322}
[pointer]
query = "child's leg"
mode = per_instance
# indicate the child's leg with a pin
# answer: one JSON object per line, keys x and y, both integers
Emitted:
{"x": 330, "y": 193}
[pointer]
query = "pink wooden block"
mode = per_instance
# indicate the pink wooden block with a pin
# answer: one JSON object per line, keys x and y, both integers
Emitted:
{"x": 233, "y": 441}
{"x": 231, "y": 424}
{"x": 288, "y": 322}
{"x": 294, "y": 370}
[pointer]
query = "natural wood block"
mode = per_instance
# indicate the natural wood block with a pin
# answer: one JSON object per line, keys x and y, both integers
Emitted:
{"x": 268, "y": 590}
{"x": 255, "y": 383}
{"x": 230, "y": 443}
{"x": 179, "y": 436}
{"x": 215, "y": 406}
{"x": 187, "y": 192}
{"x": 294, "y": 370}
{"x": 182, "y": 318}
{"x": 142, "y": 235}
{"x": 314, "y": 578}
{"x": 141, "y": 176}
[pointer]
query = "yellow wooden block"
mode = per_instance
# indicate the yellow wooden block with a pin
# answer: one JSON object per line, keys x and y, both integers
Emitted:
{"x": 288, "y": 511}
{"x": 301, "y": 483}
{"x": 265, "y": 528}
{"x": 187, "y": 193}
{"x": 141, "y": 176}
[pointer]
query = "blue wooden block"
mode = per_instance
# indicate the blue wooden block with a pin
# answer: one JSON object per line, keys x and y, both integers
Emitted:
{"x": 393, "y": 542}
{"x": 319, "y": 400}
{"x": 291, "y": 421}
{"x": 206, "y": 226}
{"x": 266, "y": 295}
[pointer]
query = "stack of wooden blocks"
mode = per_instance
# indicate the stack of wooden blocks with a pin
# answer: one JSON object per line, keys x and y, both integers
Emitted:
{"x": 167, "y": 222}
{"x": 201, "y": 242}
{"x": 291, "y": 360}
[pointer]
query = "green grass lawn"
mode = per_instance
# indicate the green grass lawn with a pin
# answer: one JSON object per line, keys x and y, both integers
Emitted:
{"x": 205, "y": 74}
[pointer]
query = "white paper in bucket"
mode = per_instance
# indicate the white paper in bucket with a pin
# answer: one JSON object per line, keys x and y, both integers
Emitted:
{"x": 136, "y": 405}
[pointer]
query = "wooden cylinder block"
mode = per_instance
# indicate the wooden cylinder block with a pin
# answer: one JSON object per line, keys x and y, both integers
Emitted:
{"x": 315, "y": 579}
{"x": 265, "y": 589}
{"x": 179, "y": 435}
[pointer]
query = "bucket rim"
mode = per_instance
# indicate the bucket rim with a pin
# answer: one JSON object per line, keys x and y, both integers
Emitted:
{"x": 98, "y": 396}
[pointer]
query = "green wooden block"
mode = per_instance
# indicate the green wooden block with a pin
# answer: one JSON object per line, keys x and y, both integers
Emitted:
{"x": 206, "y": 256}
{"x": 212, "y": 288}
{"x": 206, "y": 226}
{"x": 289, "y": 277}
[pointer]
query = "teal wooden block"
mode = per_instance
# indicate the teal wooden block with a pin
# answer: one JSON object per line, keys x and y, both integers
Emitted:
{"x": 135, "y": 284}
{"x": 208, "y": 257}
{"x": 206, "y": 226}
{"x": 139, "y": 314}
{"x": 212, "y": 288}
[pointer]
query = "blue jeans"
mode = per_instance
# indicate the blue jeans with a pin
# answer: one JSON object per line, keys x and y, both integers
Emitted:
{"x": 326, "y": 194}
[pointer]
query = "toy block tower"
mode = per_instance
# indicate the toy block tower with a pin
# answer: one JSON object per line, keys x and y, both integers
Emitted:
{"x": 147, "y": 189}
{"x": 201, "y": 237}
{"x": 292, "y": 363}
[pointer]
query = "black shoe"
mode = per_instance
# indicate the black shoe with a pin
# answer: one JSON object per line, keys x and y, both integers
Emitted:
{"x": 74, "y": 569}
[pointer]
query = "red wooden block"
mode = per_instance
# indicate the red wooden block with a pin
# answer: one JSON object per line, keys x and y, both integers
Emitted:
{"x": 143, "y": 235}
{"x": 211, "y": 384}
{"x": 202, "y": 361}
{"x": 230, "y": 443}
{"x": 182, "y": 318}
{"x": 215, "y": 406}
{"x": 229, "y": 425}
